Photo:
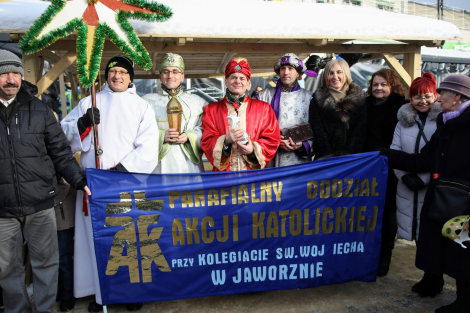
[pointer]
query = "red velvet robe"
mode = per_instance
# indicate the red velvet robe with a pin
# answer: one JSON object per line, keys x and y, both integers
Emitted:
{"x": 259, "y": 121}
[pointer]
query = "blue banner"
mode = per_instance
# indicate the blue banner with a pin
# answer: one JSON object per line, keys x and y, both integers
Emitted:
{"x": 162, "y": 237}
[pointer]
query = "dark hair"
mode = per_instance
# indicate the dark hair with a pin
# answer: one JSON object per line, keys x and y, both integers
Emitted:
{"x": 392, "y": 79}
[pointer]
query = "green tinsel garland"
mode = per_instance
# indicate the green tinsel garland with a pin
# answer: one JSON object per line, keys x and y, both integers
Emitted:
{"x": 29, "y": 43}
{"x": 162, "y": 14}
{"x": 87, "y": 75}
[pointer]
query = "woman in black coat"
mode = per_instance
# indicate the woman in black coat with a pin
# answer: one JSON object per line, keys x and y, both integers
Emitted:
{"x": 447, "y": 155}
{"x": 385, "y": 96}
{"x": 337, "y": 113}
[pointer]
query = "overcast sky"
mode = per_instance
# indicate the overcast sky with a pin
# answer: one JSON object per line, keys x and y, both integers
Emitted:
{"x": 463, "y": 4}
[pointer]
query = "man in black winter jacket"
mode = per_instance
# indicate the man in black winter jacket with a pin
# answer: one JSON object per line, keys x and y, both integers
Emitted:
{"x": 32, "y": 148}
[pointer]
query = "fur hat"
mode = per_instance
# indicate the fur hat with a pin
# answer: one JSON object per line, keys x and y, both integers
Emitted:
{"x": 291, "y": 60}
{"x": 121, "y": 61}
{"x": 457, "y": 83}
{"x": 9, "y": 62}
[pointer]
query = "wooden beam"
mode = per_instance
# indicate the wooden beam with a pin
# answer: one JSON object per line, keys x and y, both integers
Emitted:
{"x": 63, "y": 98}
{"x": 270, "y": 82}
{"x": 427, "y": 43}
{"x": 53, "y": 58}
{"x": 237, "y": 47}
{"x": 54, "y": 72}
{"x": 180, "y": 41}
{"x": 30, "y": 68}
{"x": 227, "y": 57}
{"x": 317, "y": 42}
{"x": 394, "y": 64}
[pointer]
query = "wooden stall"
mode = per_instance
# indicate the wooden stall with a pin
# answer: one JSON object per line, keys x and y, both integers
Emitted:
{"x": 209, "y": 33}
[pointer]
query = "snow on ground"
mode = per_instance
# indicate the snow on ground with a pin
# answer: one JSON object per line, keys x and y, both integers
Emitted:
{"x": 260, "y": 19}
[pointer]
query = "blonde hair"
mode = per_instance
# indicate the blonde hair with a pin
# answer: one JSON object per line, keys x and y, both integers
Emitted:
{"x": 325, "y": 79}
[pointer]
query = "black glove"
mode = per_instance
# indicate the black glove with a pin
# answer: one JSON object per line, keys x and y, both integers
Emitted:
{"x": 413, "y": 182}
{"x": 87, "y": 119}
{"x": 81, "y": 185}
{"x": 384, "y": 151}
{"x": 119, "y": 167}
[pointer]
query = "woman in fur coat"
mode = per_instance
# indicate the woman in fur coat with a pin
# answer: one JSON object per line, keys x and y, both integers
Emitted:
{"x": 420, "y": 113}
{"x": 337, "y": 113}
{"x": 416, "y": 125}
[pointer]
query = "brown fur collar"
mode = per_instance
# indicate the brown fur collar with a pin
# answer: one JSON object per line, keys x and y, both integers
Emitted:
{"x": 354, "y": 97}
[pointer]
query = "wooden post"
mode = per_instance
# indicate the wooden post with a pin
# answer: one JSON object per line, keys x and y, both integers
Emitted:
{"x": 413, "y": 63}
{"x": 63, "y": 98}
{"x": 74, "y": 87}
{"x": 30, "y": 68}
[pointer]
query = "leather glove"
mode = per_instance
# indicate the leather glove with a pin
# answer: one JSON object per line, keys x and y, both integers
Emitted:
{"x": 413, "y": 182}
{"x": 119, "y": 167}
{"x": 87, "y": 119}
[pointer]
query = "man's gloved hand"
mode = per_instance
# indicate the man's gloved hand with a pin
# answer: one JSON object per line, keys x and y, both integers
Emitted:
{"x": 119, "y": 167}
{"x": 384, "y": 151}
{"x": 82, "y": 185}
{"x": 413, "y": 182}
{"x": 87, "y": 119}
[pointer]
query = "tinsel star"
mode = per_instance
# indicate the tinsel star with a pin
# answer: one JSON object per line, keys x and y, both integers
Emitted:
{"x": 94, "y": 19}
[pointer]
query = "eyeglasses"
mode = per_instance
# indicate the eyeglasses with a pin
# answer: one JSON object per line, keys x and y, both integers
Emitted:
{"x": 167, "y": 72}
{"x": 113, "y": 72}
{"x": 426, "y": 97}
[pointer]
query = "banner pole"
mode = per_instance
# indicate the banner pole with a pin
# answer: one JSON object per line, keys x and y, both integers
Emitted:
{"x": 105, "y": 309}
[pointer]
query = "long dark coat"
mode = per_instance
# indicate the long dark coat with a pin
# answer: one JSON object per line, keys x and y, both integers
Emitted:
{"x": 449, "y": 147}
{"x": 381, "y": 123}
{"x": 338, "y": 127}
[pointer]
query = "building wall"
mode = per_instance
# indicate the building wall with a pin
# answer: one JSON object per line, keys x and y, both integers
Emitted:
{"x": 458, "y": 17}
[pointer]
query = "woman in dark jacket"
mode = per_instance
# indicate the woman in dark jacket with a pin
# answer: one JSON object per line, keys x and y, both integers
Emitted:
{"x": 337, "y": 113}
{"x": 447, "y": 155}
{"x": 385, "y": 96}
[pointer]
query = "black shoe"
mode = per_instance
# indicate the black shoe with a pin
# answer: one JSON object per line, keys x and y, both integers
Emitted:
{"x": 134, "y": 306}
{"x": 450, "y": 308}
{"x": 94, "y": 307}
{"x": 67, "y": 305}
{"x": 429, "y": 286}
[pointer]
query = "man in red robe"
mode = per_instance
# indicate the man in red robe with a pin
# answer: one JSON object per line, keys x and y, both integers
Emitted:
{"x": 222, "y": 143}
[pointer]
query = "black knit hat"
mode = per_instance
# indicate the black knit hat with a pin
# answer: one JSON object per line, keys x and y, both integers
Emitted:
{"x": 121, "y": 61}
